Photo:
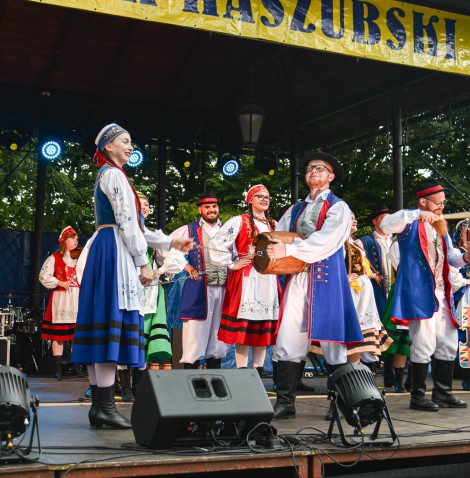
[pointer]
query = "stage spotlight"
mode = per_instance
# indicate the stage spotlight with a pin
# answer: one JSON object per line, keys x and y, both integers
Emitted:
{"x": 51, "y": 150}
{"x": 354, "y": 393}
{"x": 15, "y": 401}
{"x": 231, "y": 167}
{"x": 136, "y": 158}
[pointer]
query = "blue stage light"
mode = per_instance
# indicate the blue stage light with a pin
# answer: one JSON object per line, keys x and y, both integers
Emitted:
{"x": 231, "y": 167}
{"x": 51, "y": 150}
{"x": 136, "y": 159}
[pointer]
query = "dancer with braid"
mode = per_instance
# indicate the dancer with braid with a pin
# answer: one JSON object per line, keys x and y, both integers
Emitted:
{"x": 251, "y": 304}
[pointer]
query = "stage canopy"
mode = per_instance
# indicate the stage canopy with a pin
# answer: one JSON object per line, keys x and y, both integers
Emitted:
{"x": 321, "y": 71}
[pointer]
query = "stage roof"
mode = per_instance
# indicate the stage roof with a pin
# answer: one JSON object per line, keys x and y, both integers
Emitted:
{"x": 71, "y": 70}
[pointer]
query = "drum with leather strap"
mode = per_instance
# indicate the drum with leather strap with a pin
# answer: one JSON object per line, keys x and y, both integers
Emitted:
{"x": 286, "y": 265}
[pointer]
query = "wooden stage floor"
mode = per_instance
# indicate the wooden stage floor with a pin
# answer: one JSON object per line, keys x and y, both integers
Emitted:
{"x": 71, "y": 448}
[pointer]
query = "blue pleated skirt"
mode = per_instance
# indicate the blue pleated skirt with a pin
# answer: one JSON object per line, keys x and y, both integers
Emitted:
{"x": 105, "y": 333}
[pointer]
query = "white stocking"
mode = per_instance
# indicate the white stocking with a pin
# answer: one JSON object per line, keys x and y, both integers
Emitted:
{"x": 241, "y": 355}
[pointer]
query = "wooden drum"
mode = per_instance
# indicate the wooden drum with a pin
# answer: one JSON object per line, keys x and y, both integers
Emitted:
{"x": 287, "y": 265}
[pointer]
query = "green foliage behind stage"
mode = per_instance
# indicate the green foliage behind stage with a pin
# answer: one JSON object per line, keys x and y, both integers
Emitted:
{"x": 434, "y": 145}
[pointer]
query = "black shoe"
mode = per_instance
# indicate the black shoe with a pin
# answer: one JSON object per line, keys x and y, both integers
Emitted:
{"x": 264, "y": 373}
{"x": 423, "y": 404}
{"x": 399, "y": 385}
{"x": 442, "y": 374}
{"x": 284, "y": 410}
{"x": 213, "y": 363}
{"x": 447, "y": 400}
{"x": 287, "y": 374}
{"x": 107, "y": 413}
{"x": 94, "y": 407}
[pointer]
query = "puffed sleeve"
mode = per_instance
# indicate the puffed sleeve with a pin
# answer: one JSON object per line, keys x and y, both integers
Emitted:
{"x": 114, "y": 184}
{"x": 46, "y": 275}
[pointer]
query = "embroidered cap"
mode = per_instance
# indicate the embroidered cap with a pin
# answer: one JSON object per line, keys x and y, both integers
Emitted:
{"x": 107, "y": 134}
{"x": 67, "y": 232}
{"x": 254, "y": 190}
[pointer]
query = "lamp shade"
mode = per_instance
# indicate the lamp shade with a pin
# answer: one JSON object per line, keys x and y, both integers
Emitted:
{"x": 251, "y": 119}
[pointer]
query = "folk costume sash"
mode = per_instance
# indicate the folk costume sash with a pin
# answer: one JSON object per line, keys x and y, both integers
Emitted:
{"x": 194, "y": 293}
{"x": 331, "y": 313}
{"x": 414, "y": 297}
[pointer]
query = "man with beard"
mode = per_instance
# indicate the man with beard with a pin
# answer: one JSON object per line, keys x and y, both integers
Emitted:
{"x": 203, "y": 292}
{"x": 317, "y": 304}
{"x": 423, "y": 294}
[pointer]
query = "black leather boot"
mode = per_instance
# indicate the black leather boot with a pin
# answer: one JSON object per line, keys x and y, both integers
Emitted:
{"x": 399, "y": 385}
{"x": 107, "y": 413}
{"x": 287, "y": 376}
{"x": 136, "y": 376}
{"x": 58, "y": 367}
{"x": 191, "y": 366}
{"x": 389, "y": 379}
{"x": 419, "y": 401}
{"x": 126, "y": 389}
{"x": 274, "y": 375}
{"x": 213, "y": 363}
{"x": 442, "y": 375}
{"x": 301, "y": 385}
{"x": 94, "y": 407}
{"x": 331, "y": 369}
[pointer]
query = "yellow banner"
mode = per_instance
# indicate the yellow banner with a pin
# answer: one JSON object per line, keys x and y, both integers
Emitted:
{"x": 385, "y": 30}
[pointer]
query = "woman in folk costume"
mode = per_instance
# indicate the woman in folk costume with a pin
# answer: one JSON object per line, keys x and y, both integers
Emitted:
{"x": 362, "y": 291}
{"x": 110, "y": 323}
{"x": 251, "y": 303}
{"x": 399, "y": 333}
{"x": 157, "y": 340}
{"x": 461, "y": 289}
{"x": 58, "y": 273}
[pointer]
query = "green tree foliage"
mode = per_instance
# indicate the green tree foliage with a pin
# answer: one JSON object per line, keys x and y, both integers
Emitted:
{"x": 434, "y": 146}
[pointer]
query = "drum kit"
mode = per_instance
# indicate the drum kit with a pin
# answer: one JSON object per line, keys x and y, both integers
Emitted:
{"x": 18, "y": 326}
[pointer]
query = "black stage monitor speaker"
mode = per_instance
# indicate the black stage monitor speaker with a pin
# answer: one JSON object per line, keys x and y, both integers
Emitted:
{"x": 175, "y": 408}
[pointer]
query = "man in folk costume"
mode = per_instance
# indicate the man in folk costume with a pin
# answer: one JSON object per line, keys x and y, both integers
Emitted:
{"x": 423, "y": 294}
{"x": 317, "y": 304}
{"x": 203, "y": 292}
{"x": 377, "y": 246}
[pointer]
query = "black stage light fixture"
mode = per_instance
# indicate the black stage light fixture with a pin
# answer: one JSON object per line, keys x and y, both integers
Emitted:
{"x": 15, "y": 403}
{"x": 354, "y": 393}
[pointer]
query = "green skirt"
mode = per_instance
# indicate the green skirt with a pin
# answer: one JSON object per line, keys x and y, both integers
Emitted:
{"x": 156, "y": 337}
{"x": 401, "y": 338}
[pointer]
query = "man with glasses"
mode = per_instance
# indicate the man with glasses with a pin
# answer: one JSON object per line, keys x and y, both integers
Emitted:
{"x": 423, "y": 294}
{"x": 317, "y": 303}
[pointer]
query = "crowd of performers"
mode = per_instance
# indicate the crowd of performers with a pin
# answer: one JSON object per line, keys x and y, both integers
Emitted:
{"x": 399, "y": 293}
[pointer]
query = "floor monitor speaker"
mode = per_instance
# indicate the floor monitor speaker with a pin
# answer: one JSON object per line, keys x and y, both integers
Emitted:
{"x": 175, "y": 408}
